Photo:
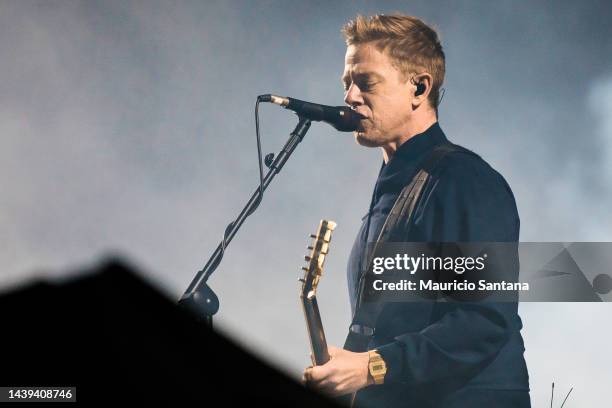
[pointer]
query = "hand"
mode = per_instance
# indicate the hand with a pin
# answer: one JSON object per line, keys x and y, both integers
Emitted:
{"x": 344, "y": 373}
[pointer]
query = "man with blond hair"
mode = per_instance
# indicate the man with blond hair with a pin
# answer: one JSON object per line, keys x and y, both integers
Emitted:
{"x": 423, "y": 354}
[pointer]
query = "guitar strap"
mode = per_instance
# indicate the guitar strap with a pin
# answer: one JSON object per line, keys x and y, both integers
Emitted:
{"x": 396, "y": 226}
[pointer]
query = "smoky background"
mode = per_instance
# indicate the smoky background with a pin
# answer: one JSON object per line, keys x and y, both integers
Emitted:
{"x": 127, "y": 126}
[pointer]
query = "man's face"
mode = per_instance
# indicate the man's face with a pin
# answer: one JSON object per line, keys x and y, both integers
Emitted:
{"x": 377, "y": 91}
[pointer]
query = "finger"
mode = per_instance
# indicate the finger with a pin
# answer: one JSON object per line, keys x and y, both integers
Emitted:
{"x": 319, "y": 373}
{"x": 307, "y": 375}
{"x": 322, "y": 386}
{"x": 330, "y": 388}
{"x": 337, "y": 392}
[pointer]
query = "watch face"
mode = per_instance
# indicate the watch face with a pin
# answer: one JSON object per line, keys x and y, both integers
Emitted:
{"x": 377, "y": 367}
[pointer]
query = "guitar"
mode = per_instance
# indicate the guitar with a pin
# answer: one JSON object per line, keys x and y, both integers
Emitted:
{"x": 308, "y": 295}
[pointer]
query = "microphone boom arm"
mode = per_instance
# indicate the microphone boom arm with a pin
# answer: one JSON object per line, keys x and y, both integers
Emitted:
{"x": 198, "y": 296}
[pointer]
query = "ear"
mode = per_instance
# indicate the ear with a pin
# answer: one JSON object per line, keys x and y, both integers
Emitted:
{"x": 422, "y": 87}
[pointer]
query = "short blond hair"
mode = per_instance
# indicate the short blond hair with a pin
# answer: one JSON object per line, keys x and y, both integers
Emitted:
{"x": 412, "y": 45}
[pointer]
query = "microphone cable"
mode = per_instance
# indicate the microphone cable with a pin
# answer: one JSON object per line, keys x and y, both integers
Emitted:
{"x": 255, "y": 205}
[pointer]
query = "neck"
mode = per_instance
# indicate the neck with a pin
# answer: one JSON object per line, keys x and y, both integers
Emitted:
{"x": 414, "y": 129}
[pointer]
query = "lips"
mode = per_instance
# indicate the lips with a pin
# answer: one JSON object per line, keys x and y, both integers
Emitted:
{"x": 361, "y": 115}
{"x": 362, "y": 121}
{"x": 358, "y": 120}
{"x": 360, "y": 127}
{"x": 354, "y": 110}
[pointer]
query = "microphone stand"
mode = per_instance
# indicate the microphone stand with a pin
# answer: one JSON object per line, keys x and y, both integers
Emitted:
{"x": 199, "y": 297}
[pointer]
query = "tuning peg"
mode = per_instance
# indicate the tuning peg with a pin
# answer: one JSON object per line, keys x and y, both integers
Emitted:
{"x": 305, "y": 269}
{"x": 302, "y": 280}
{"x": 307, "y": 258}
{"x": 313, "y": 236}
{"x": 310, "y": 248}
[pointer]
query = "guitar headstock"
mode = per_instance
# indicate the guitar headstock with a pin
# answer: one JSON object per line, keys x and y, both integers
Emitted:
{"x": 318, "y": 250}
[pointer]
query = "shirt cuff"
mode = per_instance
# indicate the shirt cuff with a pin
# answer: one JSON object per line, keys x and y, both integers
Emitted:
{"x": 392, "y": 354}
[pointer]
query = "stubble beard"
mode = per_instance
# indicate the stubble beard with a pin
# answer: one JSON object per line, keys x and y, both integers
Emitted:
{"x": 363, "y": 135}
{"x": 363, "y": 140}
{"x": 368, "y": 137}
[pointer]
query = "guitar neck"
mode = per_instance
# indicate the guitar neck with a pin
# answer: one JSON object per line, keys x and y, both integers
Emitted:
{"x": 318, "y": 344}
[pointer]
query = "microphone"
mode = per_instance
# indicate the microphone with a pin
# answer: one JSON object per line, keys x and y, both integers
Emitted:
{"x": 342, "y": 118}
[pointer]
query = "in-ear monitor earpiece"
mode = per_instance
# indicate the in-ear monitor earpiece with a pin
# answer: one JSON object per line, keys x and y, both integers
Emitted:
{"x": 420, "y": 89}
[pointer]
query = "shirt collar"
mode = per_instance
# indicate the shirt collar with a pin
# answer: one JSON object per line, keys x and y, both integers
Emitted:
{"x": 398, "y": 172}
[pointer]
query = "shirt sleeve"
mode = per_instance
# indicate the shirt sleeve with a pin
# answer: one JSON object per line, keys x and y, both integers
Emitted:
{"x": 468, "y": 201}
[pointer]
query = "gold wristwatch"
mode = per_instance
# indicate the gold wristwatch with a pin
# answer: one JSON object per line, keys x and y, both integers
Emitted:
{"x": 377, "y": 367}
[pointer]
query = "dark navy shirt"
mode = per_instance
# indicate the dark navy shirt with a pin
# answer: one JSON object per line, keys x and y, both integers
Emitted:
{"x": 440, "y": 349}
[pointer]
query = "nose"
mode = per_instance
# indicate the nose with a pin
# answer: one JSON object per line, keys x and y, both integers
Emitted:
{"x": 352, "y": 96}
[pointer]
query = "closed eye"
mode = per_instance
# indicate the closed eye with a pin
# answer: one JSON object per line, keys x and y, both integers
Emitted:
{"x": 364, "y": 81}
{"x": 367, "y": 86}
{"x": 363, "y": 86}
